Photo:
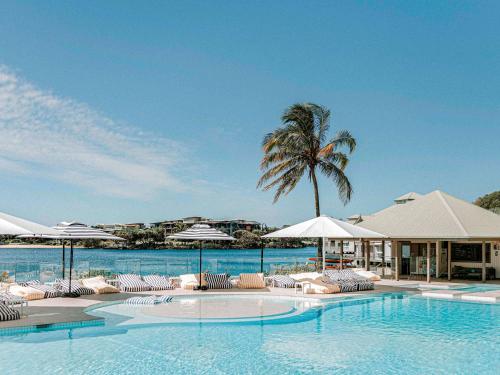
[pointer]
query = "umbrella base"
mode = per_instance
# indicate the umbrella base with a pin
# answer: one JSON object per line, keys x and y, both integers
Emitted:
{"x": 71, "y": 295}
{"x": 197, "y": 287}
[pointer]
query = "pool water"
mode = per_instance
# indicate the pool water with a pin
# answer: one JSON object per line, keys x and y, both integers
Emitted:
{"x": 392, "y": 333}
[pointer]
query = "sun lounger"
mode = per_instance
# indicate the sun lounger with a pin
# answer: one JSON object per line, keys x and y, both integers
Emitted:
{"x": 218, "y": 281}
{"x": 282, "y": 281}
{"x": 50, "y": 291}
{"x": 190, "y": 280}
{"x": 11, "y": 300}
{"x": 157, "y": 282}
{"x": 312, "y": 283}
{"x": 372, "y": 276}
{"x": 132, "y": 283}
{"x": 76, "y": 287}
{"x": 8, "y": 313}
{"x": 251, "y": 281}
{"x": 348, "y": 280}
{"x": 99, "y": 285}
{"x": 27, "y": 292}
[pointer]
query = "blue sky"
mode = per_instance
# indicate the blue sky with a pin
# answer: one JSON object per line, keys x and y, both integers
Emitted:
{"x": 123, "y": 111}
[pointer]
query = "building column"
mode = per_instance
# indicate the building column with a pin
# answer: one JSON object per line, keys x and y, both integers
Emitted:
{"x": 428, "y": 261}
{"x": 438, "y": 258}
{"x": 341, "y": 254}
{"x": 483, "y": 259}
{"x": 395, "y": 252}
{"x": 367, "y": 256}
{"x": 449, "y": 260}
{"x": 383, "y": 258}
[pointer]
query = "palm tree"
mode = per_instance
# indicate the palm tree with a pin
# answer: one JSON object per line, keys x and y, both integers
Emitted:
{"x": 300, "y": 146}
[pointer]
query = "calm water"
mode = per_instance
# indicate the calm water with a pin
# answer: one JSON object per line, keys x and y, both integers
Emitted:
{"x": 394, "y": 334}
{"x": 46, "y": 263}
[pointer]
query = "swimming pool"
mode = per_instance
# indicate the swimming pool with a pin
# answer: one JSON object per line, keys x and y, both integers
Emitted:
{"x": 392, "y": 333}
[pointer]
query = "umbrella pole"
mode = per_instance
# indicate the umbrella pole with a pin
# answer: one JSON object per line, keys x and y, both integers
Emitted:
{"x": 63, "y": 259}
{"x": 262, "y": 257}
{"x": 70, "y": 264}
{"x": 199, "y": 282}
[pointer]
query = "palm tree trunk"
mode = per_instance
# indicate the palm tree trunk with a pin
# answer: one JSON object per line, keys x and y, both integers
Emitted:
{"x": 319, "y": 253}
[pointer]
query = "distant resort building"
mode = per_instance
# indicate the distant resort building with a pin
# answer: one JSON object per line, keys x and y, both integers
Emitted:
{"x": 110, "y": 228}
{"x": 227, "y": 226}
{"x": 431, "y": 235}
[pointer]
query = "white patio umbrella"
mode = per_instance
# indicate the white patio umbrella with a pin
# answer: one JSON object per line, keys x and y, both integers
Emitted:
{"x": 201, "y": 232}
{"x": 325, "y": 227}
{"x": 14, "y": 226}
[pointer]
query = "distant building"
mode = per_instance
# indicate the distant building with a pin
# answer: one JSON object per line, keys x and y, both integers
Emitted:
{"x": 116, "y": 227}
{"x": 227, "y": 226}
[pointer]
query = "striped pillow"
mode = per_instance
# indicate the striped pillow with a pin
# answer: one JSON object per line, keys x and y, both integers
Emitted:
{"x": 251, "y": 281}
{"x": 283, "y": 281}
{"x": 157, "y": 282}
{"x": 132, "y": 283}
{"x": 76, "y": 287}
{"x": 218, "y": 281}
{"x": 7, "y": 313}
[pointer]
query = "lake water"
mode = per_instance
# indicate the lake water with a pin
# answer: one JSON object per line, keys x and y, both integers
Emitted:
{"x": 25, "y": 264}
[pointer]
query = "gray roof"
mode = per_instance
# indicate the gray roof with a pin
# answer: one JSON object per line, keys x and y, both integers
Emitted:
{"x": 436, "y": 215}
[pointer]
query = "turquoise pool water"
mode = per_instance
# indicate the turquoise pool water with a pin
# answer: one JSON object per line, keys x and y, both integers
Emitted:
{"x": 389, "y": 334}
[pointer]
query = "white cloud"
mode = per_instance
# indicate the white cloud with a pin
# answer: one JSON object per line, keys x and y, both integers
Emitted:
{"x": 51, "y": 137}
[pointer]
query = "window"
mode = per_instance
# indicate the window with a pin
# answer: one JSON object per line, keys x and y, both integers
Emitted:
{"x": 469, "y": 252}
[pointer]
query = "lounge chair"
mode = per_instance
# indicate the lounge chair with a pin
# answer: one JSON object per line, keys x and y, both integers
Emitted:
{"x": 76, "y": 287}
{"x": 348, "y": 280}
{"x": 99, "y": 285}
{"x": 218, "y": 281}
{"x": 27, "y": 292}
{"x": 251, "y": 281}
{"x": 50, "y": 291}
{"x": 149, "y": 300}
{"x": 190, "y": 280}
{"x": 316, "y": 284}
{"x": 372, "y": 276}
{"x": 11, "y": 300}
{"x": 132, "y": 283}
{"x": 8, "y": 313}
{"x": 157, "y": 282}
{"x": 282, "y": 281}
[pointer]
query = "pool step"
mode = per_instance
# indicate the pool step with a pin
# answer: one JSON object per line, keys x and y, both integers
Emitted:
{"x": 443, "y": 293}
{"x": 490, "y": 296}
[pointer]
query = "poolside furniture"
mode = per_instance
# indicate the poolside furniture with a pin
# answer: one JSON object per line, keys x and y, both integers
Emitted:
{"x": 282, "y": 281}
{"x": 251, "y": 281}
{"x": 312, "y": 283}
{"x": 99, "y": 285}
{"x": 190, "y": 281}
{"x": 76, "y": 287}
{"x": 218, "y": 281}
{"x": 348, "y": 280}
{"x": 50, "y": 291}
{"x": 8, "y": 313}
{"x": 157, "y": 282}
{"x": 132, "y": 283}
{"x": 148, "y": 300}
{"x": 27, "y": 292}
{"x": 11, "y": 300}
{"x": 372, "y": 276}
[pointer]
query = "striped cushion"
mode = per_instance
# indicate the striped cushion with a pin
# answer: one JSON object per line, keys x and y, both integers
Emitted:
{"x": 157, "y": 282}
{"x": 218, "y": 281}
{"x": 50, "y": 292}
{"x": 7, "y": 313}
{"x": 149, "y": 300}
{"x": 251, "y": 281}
{"x": 283, "y": 281}
{"x": 132, "y": 283}
{"x": 365, "y": 285}
{"x": 76, "y": 287}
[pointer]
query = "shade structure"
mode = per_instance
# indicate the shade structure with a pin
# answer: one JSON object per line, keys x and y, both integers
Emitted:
{"x": 325, "y": 227}
{"x": 201, "y": 232}
{"x": 14, "y": 226}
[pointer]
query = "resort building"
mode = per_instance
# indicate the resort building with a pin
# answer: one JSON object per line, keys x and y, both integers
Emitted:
{"x": 110, "y": 228}
{"x": 436, "y": 235}
{"x": 226, "y": 226}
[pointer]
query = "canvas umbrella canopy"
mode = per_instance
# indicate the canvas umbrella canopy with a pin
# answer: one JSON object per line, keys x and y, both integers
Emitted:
{"x": 201, "y": 232}
{"x": 325, "y": 227}
{"x": 15, "y": 226}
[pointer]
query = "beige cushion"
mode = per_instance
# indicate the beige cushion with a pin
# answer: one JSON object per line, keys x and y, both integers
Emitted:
{"x": 190, "y": 280}
{"x": 99, "y": 285}
{"x": 367, "y": 274}
{"x": 305, "y": 276}
{"x": 27, "y": 292}
{"x": 251, "y": 281}
{"x": 317, "y": 286}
